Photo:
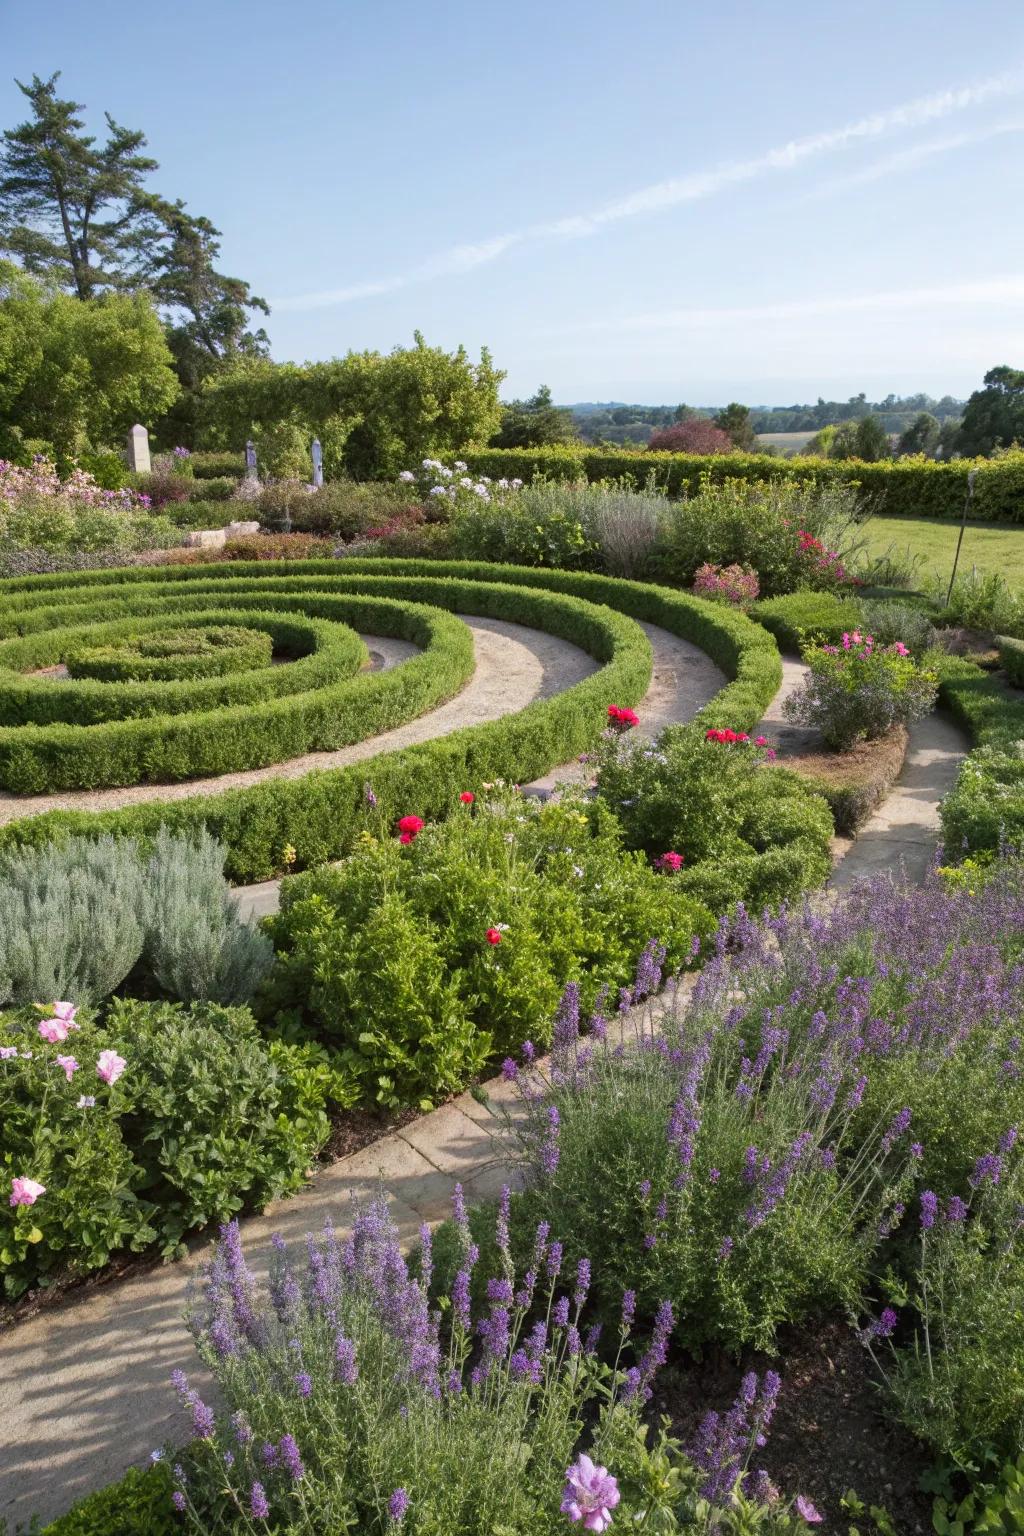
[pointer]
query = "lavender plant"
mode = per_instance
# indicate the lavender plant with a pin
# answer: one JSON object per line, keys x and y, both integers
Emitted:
{"x": 353, "y": 1405}
{"x": 748, "y": 1147}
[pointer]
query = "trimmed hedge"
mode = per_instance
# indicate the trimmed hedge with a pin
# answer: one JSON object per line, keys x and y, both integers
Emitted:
{"x": 986, "y": 805}
{"x": 174, "y": 655}
{"x": 319, "y": 814}
{"x": 798, "y": 616}
{"x": 893, "y": 487}
{"x": 1011, "y": 654}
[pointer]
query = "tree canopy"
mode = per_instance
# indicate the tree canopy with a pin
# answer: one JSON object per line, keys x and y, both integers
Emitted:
{"x": 994, "y": 416}
{"x": 77, "y": 372}
{"x": 535, "y": 423}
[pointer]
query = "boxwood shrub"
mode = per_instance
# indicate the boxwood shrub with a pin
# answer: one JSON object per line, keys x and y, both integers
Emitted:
{"x": 800, "y": 616}
{"x": 318, "y": 815}
{"x": 986, "y": 806}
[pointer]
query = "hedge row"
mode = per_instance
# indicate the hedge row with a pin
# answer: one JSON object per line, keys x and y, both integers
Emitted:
{"x": 319, "y": 814}
{"x": 1011, "y": 654}
{"x": 985, "y": 808}
{"x": 174, "y": 655}
{"x": 326, "y": 652}
{"x": 893, "y": 487}
{"x": 796, "y": 617}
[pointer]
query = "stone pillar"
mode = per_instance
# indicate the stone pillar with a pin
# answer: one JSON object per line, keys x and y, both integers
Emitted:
{"x": 138, "y": 450}
{"x": 251, "y": 470}
{"x": 318, "y": 463}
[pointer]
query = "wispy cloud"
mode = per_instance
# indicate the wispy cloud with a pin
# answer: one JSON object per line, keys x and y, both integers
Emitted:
{"x": 693, "y": 187}
{"x": 1004, "y": 290}
{"x": 909, "y": 159}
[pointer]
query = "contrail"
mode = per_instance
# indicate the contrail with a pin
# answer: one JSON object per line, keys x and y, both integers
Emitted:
{"x": 692, "y": 187}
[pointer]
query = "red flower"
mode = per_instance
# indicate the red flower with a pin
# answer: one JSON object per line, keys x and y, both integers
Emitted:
{"x": 670, "y": 863}
{"x": 726, "y": 737}
{"x": 409, "y": 828}
{"x": 622, "y": 719}
{"x": 467, "y": 797}
{"x": 493, "y": 936}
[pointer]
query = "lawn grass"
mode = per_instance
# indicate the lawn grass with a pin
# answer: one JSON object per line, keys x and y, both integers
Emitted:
{"x": 995, "y": 547}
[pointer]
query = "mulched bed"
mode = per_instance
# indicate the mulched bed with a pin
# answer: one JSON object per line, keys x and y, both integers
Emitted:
{"x": 856, "y": 782}
{"x": 830, "y": 1432}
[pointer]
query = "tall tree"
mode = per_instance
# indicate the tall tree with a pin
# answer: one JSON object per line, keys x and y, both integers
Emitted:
{"x": 922, "y": 436}
{"x": 735, "y": 419}
{"x": 994, "y": 416}
{"x": 535, "y": 423}
{"x": 70, "y": 209}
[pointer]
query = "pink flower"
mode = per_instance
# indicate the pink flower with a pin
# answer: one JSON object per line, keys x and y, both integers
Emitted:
{"x": 66, "y": 1013}
{"x": 806, "y": 1510}
{"x": 26, "y": 1191}
{"x": 467, "y": 797}
{"x": 900, "y": 649}
{"x": 55, "y": 1031}
{"x": 69, "y": 1064}
{"x": 109, "y": 1066}
{"x": 760, "y": 741}
{"x": 591, "y": 1493}
{"x": 669, "y": 863}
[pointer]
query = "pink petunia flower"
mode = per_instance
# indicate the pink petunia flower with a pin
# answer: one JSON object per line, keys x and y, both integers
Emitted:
{"x": 66, "y": 1013}
{"x": 26, "y": 1191}
{"x": 54, "y": 1031}
{"x": 69, "y": 1066}
{"x": 109, "y": 1066}
{"x": 806, "y": 1510}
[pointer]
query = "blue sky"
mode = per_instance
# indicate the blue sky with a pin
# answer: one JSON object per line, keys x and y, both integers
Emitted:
{"x": 670, "y": 202}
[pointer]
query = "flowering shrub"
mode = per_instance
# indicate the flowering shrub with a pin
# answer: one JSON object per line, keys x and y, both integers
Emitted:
{"x": 453, "y": 488}
{"x": 38, "y": 510}
{"x": 793, "y": 536}
{"x": 134, "y": 1132}
{"x": 762, "y": 1154}
{"x": 621, "y": 720}
{"x": 736, "y": 584}
{"x": 348, "y": 1406}
{"x": 747, "y": 833}
{"x": 859, "y": 690}
{"x": 426, "y": 954}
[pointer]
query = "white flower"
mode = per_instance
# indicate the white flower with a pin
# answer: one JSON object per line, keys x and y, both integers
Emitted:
{"x": 438, "y": 490}
{"x": 517, "y": 485}
{"x": 482, "y": 492}
{"x": 460, "y": 466}
{"x": 445, "y": 474}
{"x": 429, "y": 464}
{"x": 87, "y": 1101}
{"x": 485, "y": 479}
{"x": 467, "y": 482}
{"x": 407, "y": 475}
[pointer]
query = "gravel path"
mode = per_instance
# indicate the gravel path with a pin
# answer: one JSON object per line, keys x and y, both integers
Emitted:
{"x": 514, "y": 666}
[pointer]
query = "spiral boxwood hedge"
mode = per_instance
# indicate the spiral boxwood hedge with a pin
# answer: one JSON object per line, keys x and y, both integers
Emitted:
{"x": 172, "y": 655}
{"x": 318, "y": 814}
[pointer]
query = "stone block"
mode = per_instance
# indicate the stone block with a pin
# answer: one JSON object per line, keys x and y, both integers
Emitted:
{"x": 206, "y": 538}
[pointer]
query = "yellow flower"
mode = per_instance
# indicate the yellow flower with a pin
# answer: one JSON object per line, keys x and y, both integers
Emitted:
{"x": 288, "y": 854}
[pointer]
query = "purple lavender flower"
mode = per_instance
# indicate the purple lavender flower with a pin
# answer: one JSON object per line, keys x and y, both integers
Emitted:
{"x": 582, "y": 1283}
{"x": 628, "y": 1310}
{"x": 987, "y": 1169}
{"x": 929, "y": 1208}
{"x": 560, "y": 1312}
{"x": 291, "y": 1458}
{"x": 398, "y": 1503}
{"x": 179, "y": 1501}
{"x": 259, "y": 1509}
{"x": 900, "y": 1123}
{"x": 956, "y": 1210}
{"x": 304, "y": 1383}
{"x": 345, "y": 1367}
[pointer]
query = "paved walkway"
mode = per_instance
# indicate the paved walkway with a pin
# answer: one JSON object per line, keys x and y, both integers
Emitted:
{"x": 84, "y": 1388}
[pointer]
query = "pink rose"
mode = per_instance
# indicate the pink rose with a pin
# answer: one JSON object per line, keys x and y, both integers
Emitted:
{"x": 26, "y": 1191}
{"x": 109, "y": 1066}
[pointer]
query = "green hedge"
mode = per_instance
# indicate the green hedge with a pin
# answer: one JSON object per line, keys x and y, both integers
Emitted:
{"x": 796, "y": 617}
{"x": 319, "y": 814}
{"x": 895, "y": 487}
{"x": 986, "y": 805}
{"x": 174, "y": 655}
{"x": 213, "y": 464}
{"x": 1011, "y": 654}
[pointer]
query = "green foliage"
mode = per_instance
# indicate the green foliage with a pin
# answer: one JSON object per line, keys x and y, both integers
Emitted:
{"x": 320, "y": 814}
{"x": 757, "y": 526}
{"x": 993, "y": 1507}
{"x": 922, "y": 435}
{"x": 535, "y": 423}
{"x": 388, "y": 954}
{"x": 197, "y": 946}
{"x": 986, "y": 805}
{"x": 70, "y": 920}
{"x": 887, "y": 621}
{"x": 797, "y": 617}
{"x": 203, "y": 1120}
{"x": 374, "y": 414}
{"x": 138, "y": 1504}
{"x": 735, "y": 420}
{"x": 981, "y": 600}
{"x": 747, "y": 832}
{"x": 1011, "y": 654}
{"x": 857, "y": 691}
{"x": 80, "y": 373}
{"x": 994, "y": 416}
{"x": 893, "y": 487}
{"x": 169, "y": 655}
